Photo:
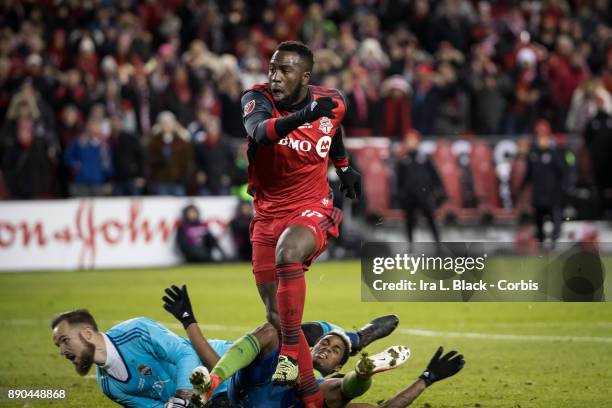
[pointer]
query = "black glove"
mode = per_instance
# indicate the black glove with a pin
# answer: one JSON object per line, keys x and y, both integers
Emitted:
{"x": 179, "y": 305}
{"x": 441, "y": 368}
{"x": 351, "y": 181}
{"x": 319, "y": 108}
{"x": 177, "y": 402}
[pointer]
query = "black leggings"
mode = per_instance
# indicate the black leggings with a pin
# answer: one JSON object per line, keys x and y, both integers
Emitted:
{"x": 555, "y": 215}
{"x": 410, "y": 214}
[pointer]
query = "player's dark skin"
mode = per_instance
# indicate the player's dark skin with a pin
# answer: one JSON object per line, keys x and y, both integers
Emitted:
{"x": 288, "y": 76}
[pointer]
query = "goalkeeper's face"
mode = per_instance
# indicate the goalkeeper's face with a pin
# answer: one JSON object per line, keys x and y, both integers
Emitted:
{"x": 327, "y": 354}
{"x": 288, "y": 78}
{"x": 72, "y": 345}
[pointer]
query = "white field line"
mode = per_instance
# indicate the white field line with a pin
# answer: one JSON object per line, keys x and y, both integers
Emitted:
{"x": 567, "y": 324}
{"x": 515, "y": 337}
{"x": 408, "y": 332}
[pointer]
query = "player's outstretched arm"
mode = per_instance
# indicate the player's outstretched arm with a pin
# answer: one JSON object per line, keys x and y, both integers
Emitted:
{"x": 439, "y": 368}
{"x": 265, "y": 129}
{"x": 335, "y": 399}
{"x": 178, "y": 304}
{"x": 404, "y": 398}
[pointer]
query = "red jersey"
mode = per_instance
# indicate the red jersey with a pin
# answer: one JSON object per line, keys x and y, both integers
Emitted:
{"x": 291, "y": 173}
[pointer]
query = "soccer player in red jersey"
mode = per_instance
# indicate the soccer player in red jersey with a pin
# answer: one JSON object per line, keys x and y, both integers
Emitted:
{"x": 293, "y": 128}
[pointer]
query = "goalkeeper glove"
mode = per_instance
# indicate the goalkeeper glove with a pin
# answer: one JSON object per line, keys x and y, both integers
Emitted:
{"x": 177, "y": 402}
{"x": 441, "y": 368}
{"x": 319, "y": 108}
{"x": 178, "y": 304}
{"x": 350, "y": 181}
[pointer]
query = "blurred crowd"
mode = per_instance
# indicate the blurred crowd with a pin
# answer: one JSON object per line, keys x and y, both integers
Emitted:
{"x": 127, "y": 97}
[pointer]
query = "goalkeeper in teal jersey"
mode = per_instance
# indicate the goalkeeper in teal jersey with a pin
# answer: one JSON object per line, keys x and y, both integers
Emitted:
{"x": 139, "y": 363}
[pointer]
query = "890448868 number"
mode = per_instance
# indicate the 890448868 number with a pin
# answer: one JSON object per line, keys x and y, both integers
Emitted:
{"x": 32, "y": 394}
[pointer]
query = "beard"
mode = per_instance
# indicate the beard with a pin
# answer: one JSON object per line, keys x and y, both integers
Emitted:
{"x": 86, "y": 359}
{"x": 291, "y": 99}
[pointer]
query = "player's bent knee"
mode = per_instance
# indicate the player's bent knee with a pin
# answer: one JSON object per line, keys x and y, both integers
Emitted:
{"x": 264, "y": 333}
{"x": 289, "y": 254}
{"x": 267, "y": 336}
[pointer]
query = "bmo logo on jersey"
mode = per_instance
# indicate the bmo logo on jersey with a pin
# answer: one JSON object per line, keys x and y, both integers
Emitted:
{"x": 322, "y": 147}
{"x": 299, "y": 145}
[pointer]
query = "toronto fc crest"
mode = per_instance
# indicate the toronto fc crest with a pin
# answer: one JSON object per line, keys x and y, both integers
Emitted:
{"x": 326, "y": 125}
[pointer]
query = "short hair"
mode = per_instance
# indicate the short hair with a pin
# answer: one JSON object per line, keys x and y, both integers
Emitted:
{"x": 79, "y": 316}
{"x": 299, "y": 48}
{"x": 345, "y": 339}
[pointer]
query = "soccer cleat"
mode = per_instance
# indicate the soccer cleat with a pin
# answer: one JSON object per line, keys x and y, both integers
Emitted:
{"x": 389, "y": 359}
{"x": 376, "y": 329}
{"x": 204, "y": 384}
{"x": 286, "y": 373}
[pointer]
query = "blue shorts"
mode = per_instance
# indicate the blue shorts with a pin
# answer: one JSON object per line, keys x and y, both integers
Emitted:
{"x": 251, "y": 387}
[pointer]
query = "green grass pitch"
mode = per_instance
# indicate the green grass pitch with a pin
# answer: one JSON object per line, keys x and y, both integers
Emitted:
{"x": 566, "y": 362}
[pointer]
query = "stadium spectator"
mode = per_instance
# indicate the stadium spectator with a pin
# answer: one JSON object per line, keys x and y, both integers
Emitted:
{"x": 423, "y": 99}
{"x": 362, "y": 100}
{"x": 194, "y": 238}
{"x": 395, "y": 93}
{"x": 178, "y": 97}
{"x": 170, "y": 157}
{"x": 28, "y": 159}
{"x": 89, "y": 160}
{"x": 230, "y": 91}
{"x": 546, "y": 172}
{"x": 145, "y": 102}
{"x": 241, "y": 173}
{"x": 598, "y": 140}
{"x": 317, "y": 28}
{"x": 214, "y": 159}
{"x": 197, "y": 128}
{"x": 87, "y": 60}
{"x": 488, "y": 90}
{"x": 452, "y": 22}
{"x": 372, "y": 56}
{"x": 57, "y": 53}
{"x": 6, "y": 85}
{"x": 489, "y": 104}
{"x": 527, "y": 98}
{"x": 419, "y": 186}
{"x": 39, "y": 108}
{"x": 239, "y": 226}
{"x": 70, "y": 124}
{"x": 565, "y": 70}
{"x": 72, "y": 91}
{"x": 585, "y": 102}
{"x": 128, "y": 160}
{"x": 421, "y": 23}
{"x": 252, "y": 71}
{"x": 451, "y": 115}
